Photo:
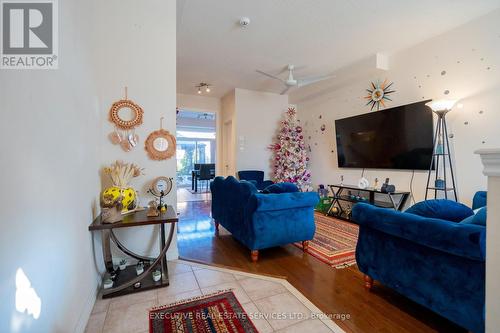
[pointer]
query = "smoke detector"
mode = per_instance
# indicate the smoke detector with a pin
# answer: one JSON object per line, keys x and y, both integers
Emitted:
{"x": 244, "y": 21}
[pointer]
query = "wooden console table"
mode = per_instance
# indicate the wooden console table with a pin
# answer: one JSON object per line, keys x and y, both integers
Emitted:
{"x": 125, "y": 280}
{"x": 396, "y": 200}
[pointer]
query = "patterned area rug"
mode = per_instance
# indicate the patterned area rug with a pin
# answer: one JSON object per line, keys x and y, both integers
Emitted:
{"x": 217, "y": 313}
{"x": 334, "y": 241}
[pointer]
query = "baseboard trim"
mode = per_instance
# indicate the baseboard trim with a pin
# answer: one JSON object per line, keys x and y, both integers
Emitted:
{"x": 87, "y": 309}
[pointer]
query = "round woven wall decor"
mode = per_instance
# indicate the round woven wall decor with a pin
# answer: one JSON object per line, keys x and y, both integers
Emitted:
{"x": 122, "y": 123}
{"x": 160, "y": 145}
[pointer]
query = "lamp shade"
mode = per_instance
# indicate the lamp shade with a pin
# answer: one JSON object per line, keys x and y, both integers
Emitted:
{"x": 441, "y": 105}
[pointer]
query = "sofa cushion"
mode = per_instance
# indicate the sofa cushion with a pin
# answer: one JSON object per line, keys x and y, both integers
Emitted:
{"x": 441, "y": 209}
{"x": 479, "y": 218}
{"x": 281, "y": 188}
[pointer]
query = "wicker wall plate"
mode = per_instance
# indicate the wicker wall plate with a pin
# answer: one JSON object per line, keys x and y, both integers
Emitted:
{"x": 160, "y": 145}
{"x": 114, "y": 114}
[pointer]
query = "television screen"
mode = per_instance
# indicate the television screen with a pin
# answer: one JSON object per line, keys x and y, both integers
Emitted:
{"x": 396, "y": 138}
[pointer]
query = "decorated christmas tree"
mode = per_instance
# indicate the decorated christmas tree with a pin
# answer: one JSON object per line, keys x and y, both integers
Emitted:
{"x": 290, "y": 159}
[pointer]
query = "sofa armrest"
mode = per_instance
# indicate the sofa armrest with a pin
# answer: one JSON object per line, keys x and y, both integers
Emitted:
{"x": 451, "y": 237}
{"x": 268, "y": 202}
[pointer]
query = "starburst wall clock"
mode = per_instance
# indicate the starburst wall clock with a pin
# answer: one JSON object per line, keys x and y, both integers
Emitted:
{"x": 378, "y": 93}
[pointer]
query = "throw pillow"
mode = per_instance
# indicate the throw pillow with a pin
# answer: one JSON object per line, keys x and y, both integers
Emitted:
{"x": 281, "y": 188}
{"x": 479, "y": 218}
{"x": 441, "y": 209}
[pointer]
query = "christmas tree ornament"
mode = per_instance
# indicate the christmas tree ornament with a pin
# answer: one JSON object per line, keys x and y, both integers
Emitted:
{"x": 290, "y": 154}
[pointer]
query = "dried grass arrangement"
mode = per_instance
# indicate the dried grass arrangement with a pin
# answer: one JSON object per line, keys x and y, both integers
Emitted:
{"x": 121, "y": 173}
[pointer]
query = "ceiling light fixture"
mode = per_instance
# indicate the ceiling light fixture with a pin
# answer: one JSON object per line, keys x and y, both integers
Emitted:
{"x": 204, "y": 86}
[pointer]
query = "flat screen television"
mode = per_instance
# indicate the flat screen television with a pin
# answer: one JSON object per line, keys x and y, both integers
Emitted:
{"x": 395, "y": 138}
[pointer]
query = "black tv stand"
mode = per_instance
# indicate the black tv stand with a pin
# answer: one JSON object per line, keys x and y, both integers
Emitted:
{"x": 345, "y": 196}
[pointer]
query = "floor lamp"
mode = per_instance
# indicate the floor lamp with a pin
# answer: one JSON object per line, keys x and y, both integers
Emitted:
{"x": 441, "y": 153}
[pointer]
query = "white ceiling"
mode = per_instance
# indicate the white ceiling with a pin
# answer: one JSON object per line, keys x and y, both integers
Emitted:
{"x": 323, "y": 35}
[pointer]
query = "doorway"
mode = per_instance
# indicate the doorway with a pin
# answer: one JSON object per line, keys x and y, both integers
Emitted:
{"x": 196, "y": 153}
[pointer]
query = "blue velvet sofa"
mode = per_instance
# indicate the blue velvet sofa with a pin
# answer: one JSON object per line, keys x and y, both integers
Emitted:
{"x": 437, "y": 263}
{"x": 256, "y": 177}
{"x": 261, "y": 220}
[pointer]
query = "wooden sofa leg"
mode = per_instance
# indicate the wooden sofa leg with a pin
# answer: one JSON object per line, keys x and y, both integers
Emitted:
{"x": 305, "y": 245}
{"x": 368, "y": 282}
{"x": 216, "y": 226}
{"x": 255, "y": 255}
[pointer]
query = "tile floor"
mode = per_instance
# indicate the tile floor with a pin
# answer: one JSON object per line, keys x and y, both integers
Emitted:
{"x": 262, "y": 298}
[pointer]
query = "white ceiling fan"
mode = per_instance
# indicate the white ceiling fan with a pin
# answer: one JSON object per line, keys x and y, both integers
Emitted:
{"x": 291, "y": 82}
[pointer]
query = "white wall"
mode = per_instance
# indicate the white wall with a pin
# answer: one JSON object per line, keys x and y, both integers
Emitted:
{"x": 228, "y": 118}
{"x": 50, "y": 137}
{"x": 255, "y": 118}
{"x": 54, "y": 144}
{"x": 470, "y": 57}
{"x": 258, "y": 116}
{"x": 138, "y": 52}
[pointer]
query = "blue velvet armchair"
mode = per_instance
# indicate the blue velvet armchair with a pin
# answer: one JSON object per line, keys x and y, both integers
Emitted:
{"x": 260, "y": 220}
{"x": 256, "y": 177}
{"x": 437, "y": 263}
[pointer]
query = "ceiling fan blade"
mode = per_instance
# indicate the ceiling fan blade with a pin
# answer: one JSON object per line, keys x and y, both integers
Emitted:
{"x": 295, "y": 68}
{"x": 269, "y": 75}
{"x": 286, "y": 89}
{"x": 311, "y": 80}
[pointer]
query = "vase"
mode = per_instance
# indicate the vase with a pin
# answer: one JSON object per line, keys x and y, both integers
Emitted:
{"x": 128, "y": 194}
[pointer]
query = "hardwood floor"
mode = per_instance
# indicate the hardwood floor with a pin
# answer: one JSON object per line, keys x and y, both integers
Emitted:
{"x": 183, "y": 194}
{"x": 334, "y": 291}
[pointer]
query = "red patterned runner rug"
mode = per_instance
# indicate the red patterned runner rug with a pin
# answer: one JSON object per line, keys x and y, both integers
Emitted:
{"x": 334, "y": 241}
{"x": 216, "y": 313}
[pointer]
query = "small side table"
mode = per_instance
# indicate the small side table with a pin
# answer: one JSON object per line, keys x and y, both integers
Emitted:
{"x": 124, "y": 283}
